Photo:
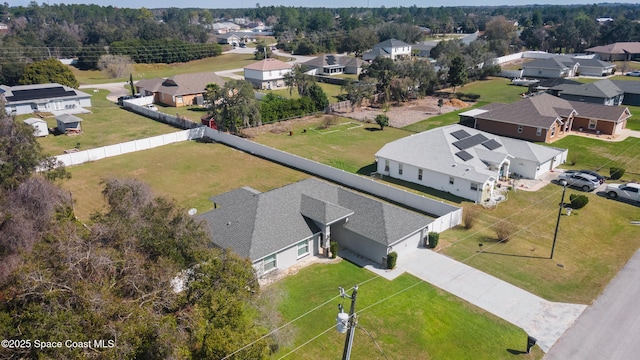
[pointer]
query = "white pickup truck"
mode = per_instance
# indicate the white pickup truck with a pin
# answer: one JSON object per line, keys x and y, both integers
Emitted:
{"x": 629, "y": 191}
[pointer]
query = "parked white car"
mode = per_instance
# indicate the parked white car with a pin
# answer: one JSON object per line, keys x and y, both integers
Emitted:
{"x": 629, "y": 191}
{"x": 580, "y": 180}
{"x": 151, "y": 107}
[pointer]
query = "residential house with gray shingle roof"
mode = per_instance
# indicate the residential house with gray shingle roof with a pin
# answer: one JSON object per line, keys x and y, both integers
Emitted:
{"x": 330, "y": 64}
{"x": 391, "y": 48}
{"x": 465, "y": 162}
{"x": 179, "y": 90}
{"x": 278, "y": 228}
{"x": 607, "y": 92}
{"x": 603, "y": 92}
{"x": 565, "y": 66}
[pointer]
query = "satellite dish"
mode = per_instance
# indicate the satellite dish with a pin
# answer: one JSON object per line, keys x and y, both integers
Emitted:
{"x": 193, "y": 211}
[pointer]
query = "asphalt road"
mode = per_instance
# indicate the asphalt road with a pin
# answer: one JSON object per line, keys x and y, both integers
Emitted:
{"x": 610, "y": 328}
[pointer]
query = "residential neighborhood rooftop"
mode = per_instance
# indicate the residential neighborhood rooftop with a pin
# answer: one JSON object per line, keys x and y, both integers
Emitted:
{"x": 256, "y": 225}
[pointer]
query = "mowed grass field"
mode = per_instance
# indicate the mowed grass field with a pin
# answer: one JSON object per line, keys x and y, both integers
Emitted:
{"x": 189, "y": 172}
{"x": 408, "y": 319}
{"x": 107, "y": 124}
{"x": 147, "y": 71}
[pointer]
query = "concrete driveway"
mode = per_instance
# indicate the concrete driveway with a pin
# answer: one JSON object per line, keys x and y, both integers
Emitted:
{"x": 116, "y": 89}
{"x": 544, "y": 320}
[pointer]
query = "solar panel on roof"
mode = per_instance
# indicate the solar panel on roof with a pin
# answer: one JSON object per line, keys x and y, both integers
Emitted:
{"x": 464, "y": 155}
{"x": 43, "y": 93}
{"x": 491, "y": 144}
{"x": 460, "y": 134}
{"x": 470, "y": 141}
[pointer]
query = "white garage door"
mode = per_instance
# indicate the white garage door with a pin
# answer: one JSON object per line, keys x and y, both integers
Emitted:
{"x": 407, "y": 247}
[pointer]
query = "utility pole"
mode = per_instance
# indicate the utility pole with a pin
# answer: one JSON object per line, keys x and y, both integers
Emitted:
{"x": 351, "y": 322}
{"x": 555, "y": 234}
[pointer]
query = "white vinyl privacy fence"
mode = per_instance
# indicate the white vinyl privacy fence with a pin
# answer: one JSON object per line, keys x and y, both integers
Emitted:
{"x": 445, "y": 216}
{"x": 84, "y": 156}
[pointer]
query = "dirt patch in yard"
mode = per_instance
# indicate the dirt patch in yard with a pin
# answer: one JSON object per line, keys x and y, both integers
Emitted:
{"x": 406, "y": 113}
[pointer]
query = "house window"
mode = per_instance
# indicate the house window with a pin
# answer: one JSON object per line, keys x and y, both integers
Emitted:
{"x": 592, "y": 124}
{"x": 538, "y": 131}
{"x": 520, "y": 129}
{"x": 178, "y": 99}
{"x": 270, "y": 262}
{"x": 451, "y": 180}
{"x": 303, "y": 248}
{"x": 474, "y": 186}
{"x": 553, "y": 131}
{"x": 399, "y": 169}
{"x": 419, "y": 174}
{"x": 386, "y": 165}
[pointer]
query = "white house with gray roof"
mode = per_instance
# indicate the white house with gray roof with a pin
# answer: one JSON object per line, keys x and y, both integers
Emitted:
{"x": 277, "y": 228}
{"x": 391, "y": 48}
{"x": 52, "y": 97}
{"x": 463, "y": 161}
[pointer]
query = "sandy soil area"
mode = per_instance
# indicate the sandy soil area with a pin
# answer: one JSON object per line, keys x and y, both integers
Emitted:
{"x": 406, "y": 113}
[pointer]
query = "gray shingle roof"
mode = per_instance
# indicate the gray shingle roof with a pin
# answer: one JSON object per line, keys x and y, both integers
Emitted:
{"x": 628, "y": 86}
{"x": 600, "y": 89}
{"x": 391, "y": 43}
{"x": 234, "y": 196}
{"x": 434, "y": 150}
{"x": 68, "y": 119}
{"x": 265, "y": 223}
{"x": 330, "y": 60}
{"x": 538, "y": 111}
{"x": 181, "y": 84}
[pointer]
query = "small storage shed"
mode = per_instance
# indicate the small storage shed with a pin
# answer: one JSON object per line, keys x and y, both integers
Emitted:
{"x": 68, "y": 123}
{"x": 39, "y": 126}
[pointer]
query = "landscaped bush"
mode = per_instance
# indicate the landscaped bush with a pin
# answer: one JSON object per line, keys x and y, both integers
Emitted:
{"x": 469, "y": 216}
{"x": 578, "y": 201}
{"x": 433, "y": 239}
{"x": 392, "y": 258}
{"x": 466, "y": 96}
{"x": 273, "y": 108}
{"x": 504, "y": 230}
{"x": 615, "y": 173}
{"x": 333, "y": 248}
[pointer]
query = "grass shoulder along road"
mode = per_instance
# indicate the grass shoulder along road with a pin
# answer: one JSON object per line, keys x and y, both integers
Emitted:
{"x": 407, "y": 318}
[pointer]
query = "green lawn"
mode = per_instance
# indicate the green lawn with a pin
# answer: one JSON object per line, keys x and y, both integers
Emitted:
{"x": 147, "y": 71}
{"x": 407, "y": 318}
{"x": 331, "y": 90}
{"x": 600, "y": 155}
{"x": 189, "y": 172}
{"x": 350, "y": 145}
{"x": 592, "y": 244}
{"x": 494, "y": 90}
{"x": 107, "y": 124}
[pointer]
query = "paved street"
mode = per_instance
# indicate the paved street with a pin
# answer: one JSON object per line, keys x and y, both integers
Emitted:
{"x": 610, "y": 328}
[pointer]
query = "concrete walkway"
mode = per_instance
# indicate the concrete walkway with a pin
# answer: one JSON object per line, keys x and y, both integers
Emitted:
{"x": 544, "y": 320}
